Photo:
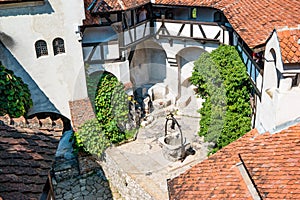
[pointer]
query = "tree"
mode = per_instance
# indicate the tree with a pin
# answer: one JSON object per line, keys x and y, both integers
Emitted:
{"x": 222, "y": 80}
{"x": 15, "y": 98}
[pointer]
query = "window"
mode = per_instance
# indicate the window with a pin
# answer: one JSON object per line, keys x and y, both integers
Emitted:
{"x": 58, "y": 46}
{"x": 41, "y": 48}
{"x": 217, "y": 16}
{"x": 194, "y": 13}
{"x": 273, "y": 53}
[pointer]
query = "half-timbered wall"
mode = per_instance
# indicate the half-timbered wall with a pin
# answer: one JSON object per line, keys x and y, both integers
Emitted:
{"x": 152, "y": 46}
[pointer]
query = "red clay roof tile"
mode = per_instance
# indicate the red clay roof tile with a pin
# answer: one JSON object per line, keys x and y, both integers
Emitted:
{"x": 253, "y": 20}
{"x": 26, "y": 157}
{"x": 289, "y": 45}
{"x": 273, "y": 162}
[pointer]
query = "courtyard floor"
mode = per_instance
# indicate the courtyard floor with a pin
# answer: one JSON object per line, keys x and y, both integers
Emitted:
{"x": 143, "y": 160}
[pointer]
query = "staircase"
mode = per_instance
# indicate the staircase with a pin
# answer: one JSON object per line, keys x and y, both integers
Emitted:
{"x": 172, "y": 61}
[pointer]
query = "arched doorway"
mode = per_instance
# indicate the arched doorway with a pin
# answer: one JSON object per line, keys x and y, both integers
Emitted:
{"x": 147, "y": 68}
{"x": 185, "y": 59}
{"x": 148, "y": 65}
{"x": 92, "y": 81}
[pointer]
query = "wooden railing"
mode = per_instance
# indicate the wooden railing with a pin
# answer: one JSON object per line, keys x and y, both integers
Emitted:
{"x": 253, "y": 69}
{"x": 193, "y": 30}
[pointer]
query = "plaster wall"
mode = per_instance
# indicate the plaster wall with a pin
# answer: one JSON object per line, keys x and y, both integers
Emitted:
{"x": 137, "y": 33}
{"x": 148, "y": 65}
{"x": 118, "y": 69}
{"x": 99, "y": 34}
{"x": 61, "y": 78}
{"x": 172, "y": 80}
{"x": 289, "y": 107}
{"x": 139, "y": 70}
{"x": 280, "y": 101}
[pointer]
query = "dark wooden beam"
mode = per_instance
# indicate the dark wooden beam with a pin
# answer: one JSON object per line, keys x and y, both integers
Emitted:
{"x": 202, "y": 31}
{"x": 202, "y": 40}
{"x": 181, "y": 29}
{"x": 218, "y": 34}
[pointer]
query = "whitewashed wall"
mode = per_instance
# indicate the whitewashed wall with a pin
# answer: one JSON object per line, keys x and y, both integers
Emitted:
{"x": 61, "y": 78}
{"x": 280, "y": 101}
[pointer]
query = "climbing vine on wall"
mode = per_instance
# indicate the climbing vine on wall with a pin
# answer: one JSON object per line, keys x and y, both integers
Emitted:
{"x": 15, "y": 98}
{"x": 90, "y": 138}
{"x": 111, "y": 105}
{"x": 222, "y": 80}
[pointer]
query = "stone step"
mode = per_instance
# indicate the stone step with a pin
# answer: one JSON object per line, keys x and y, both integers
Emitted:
{"x": 172, "y": 61}
{"x": 183, "y": 101}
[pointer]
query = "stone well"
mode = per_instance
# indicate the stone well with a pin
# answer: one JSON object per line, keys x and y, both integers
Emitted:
{"x": 173, "y": 148}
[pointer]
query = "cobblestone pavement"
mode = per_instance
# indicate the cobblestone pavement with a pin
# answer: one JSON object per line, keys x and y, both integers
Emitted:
{"x": 143, "y": 158}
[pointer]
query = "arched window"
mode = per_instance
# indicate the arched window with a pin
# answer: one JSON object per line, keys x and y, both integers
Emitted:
{"x": 41, "y": 48}
{"x": 273, "y": 53}
{"x": 58, "y": 46}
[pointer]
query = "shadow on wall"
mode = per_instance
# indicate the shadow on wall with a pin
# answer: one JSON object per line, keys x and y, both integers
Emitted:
{"x": 92, "y": 84}
{"x": 41, "y": 102}
{"x": 45, "y": 8}
{"x": 148, "y": 65}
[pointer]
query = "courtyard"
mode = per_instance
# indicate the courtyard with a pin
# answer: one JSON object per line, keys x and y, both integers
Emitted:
{"x": 142, "y": 163}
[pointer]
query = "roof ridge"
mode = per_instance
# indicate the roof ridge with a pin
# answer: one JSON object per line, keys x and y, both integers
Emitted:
{"x": 121, "y": 3}
{"x": 33, "y": 123}
{"x": 287, "y": 28}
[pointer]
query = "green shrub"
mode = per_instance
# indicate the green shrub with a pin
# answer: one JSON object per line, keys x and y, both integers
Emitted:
{"x": 111, "y": 105}
{"x": 222, "y": 80}
{"x": 90, "y": 138}
{"x": 15, "y": 97}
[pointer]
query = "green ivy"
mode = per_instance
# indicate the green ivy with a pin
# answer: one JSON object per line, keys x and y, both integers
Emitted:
{"x": 222, "y": 80}
{"x": 90, "y": 138}
{"x": 111, "y": 105}
{"x": 15, "y": 97}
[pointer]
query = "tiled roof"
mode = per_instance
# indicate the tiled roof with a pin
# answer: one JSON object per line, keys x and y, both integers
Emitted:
{"x": 98, "y": 6}
{"x": 253, "y": 20}
{"x": 27, "y": 150}
{"x": 16, "y": 1}
{"x": 207, "y": 3}
{"x": 272, "y": 160}
{"x": 289, "y": 41}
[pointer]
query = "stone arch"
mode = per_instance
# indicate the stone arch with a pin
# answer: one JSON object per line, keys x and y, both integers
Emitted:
{"x": 185, "y": 59}
{"x": 148, "y": 64}
{"x": 186, "y": 91}
{"x": 92, "y": 80}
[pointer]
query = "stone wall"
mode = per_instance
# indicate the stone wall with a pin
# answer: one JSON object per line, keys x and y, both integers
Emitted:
{"x": 81, "y": 111}
{"x": 124, "y": 183}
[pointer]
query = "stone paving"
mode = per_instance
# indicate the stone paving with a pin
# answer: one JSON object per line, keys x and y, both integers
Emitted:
{"x": 143, "y": 160}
